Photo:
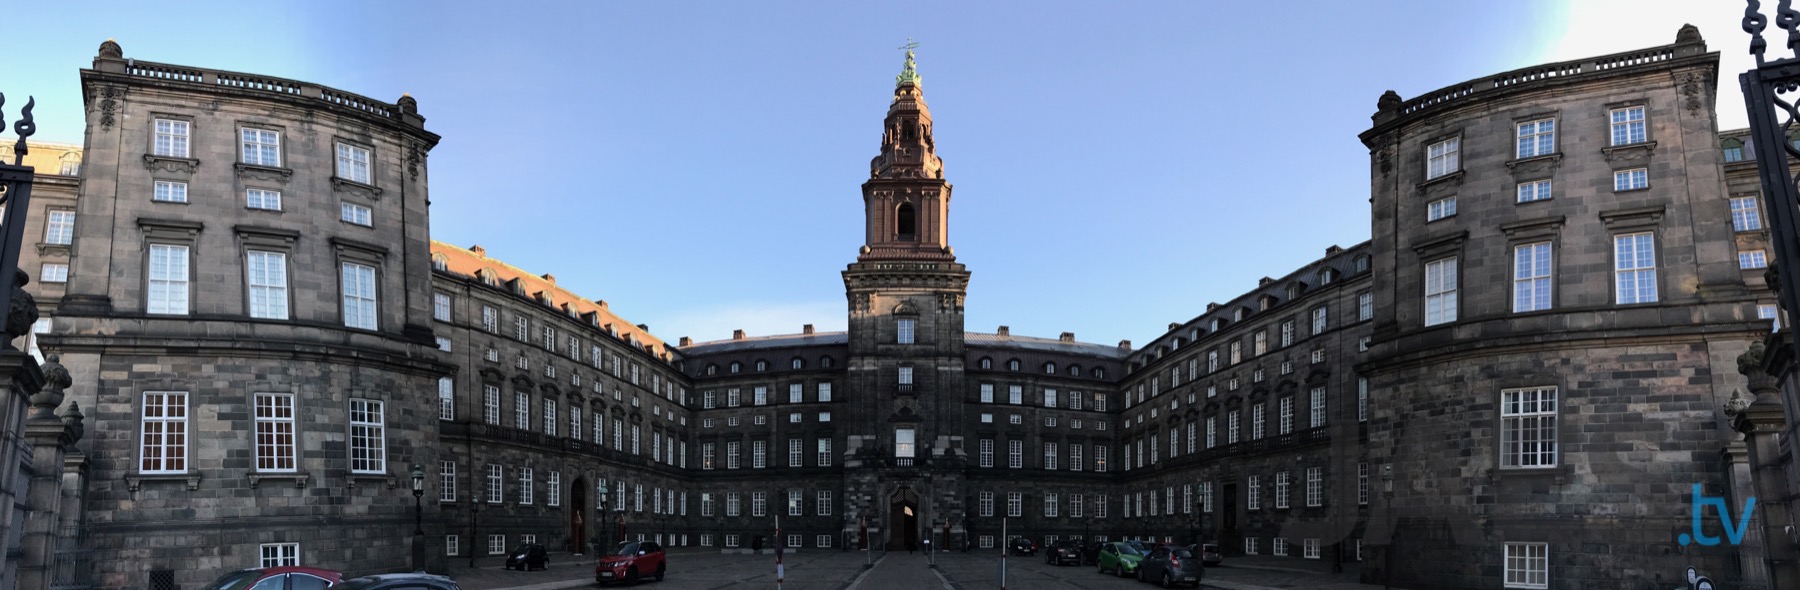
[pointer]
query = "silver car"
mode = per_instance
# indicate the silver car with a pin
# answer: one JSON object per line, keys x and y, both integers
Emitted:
{"x": 1170, "y": 565}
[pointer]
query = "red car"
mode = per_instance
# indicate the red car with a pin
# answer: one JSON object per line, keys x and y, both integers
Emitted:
{"x": 630, "y": 562}
{"x": 277, "y": 578}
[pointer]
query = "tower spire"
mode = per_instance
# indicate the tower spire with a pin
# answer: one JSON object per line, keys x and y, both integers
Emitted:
{"x": 906, "y": 200}
{"x": 909, "y": 73}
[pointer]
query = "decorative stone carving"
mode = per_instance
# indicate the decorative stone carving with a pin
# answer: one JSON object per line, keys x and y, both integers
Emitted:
{"x": 56, "y": 379}
{"x": 415, "y": 154}
{"x": 24, "y": 311}
{"x": 1389, "y": 100}
{"x": 354, "y": 187}
{"x": 72, "y": 420}
{"x": 109, "y": 105}
{"x": 264, "y": 173}
{"x": 1690, "y": 88}
{"x": 171, "y": 164}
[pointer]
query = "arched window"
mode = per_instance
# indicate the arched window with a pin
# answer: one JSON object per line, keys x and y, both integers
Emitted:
{"x": 906, "y": 222}
{"x": 824, "y": 362}
{"x": 797, "y": 364}
{"x": 736, "y": 366}
{"x": 440, "y": 263}
{"x": 1012, "y": 365}
{"x": 1099, "y": 373}
{"x": 71, "y": 164}
{"x": 1294, "y": 290}
{"x": 1074, "y": 370}
{"x": 1049, "y": 368}
{"x": 987, "y": 363}
{"x": 712, "y": 369}
{"x": 1362, "y": 263}
{"x": 1325, "y": 276}
{"x": 762, "y": 366}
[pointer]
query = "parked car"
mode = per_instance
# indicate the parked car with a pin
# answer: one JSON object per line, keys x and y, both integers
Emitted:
{"x": 1119, "y": 557}
{"x": 1062, "y": 552}
{"x": 276, "y": 578}
{"x": 630, "y": 562}
{"x": 527, "y": 556}
{"x": 1209, "y": 554}
{"x": 1169, "y": 565}
{"x": 412, "y": 581}
{"x": 1021, "y": 546}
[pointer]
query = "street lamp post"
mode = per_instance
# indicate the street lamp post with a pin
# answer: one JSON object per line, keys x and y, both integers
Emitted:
{"x": 418, "y": 490}
{"x": 603, "y": 496}
{"x": 474, "y": 519}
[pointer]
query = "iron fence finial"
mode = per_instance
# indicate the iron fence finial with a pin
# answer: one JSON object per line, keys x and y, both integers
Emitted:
{"x": 24, "y": 127}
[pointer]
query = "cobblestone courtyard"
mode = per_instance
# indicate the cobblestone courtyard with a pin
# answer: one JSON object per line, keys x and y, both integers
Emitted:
{"x": 693, "y": 570}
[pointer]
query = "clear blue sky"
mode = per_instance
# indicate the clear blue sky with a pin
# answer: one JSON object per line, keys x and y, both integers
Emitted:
{"x": 697, "y": 164}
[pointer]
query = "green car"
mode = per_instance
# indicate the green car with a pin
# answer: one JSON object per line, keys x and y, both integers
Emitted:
{"x": 1120, "y": 558}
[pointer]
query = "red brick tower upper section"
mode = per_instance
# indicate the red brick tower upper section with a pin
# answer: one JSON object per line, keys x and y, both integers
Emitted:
{"x": 906, "y": 201}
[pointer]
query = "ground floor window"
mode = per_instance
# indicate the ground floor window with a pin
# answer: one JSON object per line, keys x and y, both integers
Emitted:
{"x": 1359, "y": 550}
{"x": 822, "y": 541}
{"x": 496, "y": 544}
{"x": 280, "y": 554}
{"x": 452, "y": 545}
{"x": 706, "y": 540}
{"x": 530, "y": 539}
{"x": 793, "y": 540}
{"x": 1249, "y": 545}
{"x": 1527, "y": 565}
{"x": 985, "y": 541}
{"x": 1279, "y": 547}
{"x": 731, "y": 540}
{"x": 1309, "y": 548}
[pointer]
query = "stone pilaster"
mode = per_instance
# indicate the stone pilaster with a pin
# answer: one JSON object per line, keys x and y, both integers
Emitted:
{"x": 1772, "y": 560}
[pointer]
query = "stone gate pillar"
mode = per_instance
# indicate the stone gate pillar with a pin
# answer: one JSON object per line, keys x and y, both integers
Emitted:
{"x": 51, "y": 438}
{"x": 1761, "y": 421}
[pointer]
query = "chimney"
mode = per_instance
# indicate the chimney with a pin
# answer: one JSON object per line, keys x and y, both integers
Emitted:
{"x": 686, "y": 341}
{"x": 1174, "y": 325}
{"x": 1334, "y": 249}
{"x": 1124, "y": 345}
{"x": 601, "y": 303}
{"x": 1067, "y": 337}
{"x": 1005, "y": 331}
{"x": 550, "y": 277}
{"x": 806, "y": 329}
{"x": 478, "y": 250}
{"x": 644, "y": 327}
{"x": 1263, "y": 282}
{"x": 1211, "y": 306}
{"x": 737, "y": 334}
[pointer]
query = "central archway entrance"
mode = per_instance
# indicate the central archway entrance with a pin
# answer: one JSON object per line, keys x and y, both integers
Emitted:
{"x": 578, "y": 520}
{"x": 903, "y": 520}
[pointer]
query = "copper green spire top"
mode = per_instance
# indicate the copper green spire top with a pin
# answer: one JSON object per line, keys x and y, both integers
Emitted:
{"x": 909, "y": 73}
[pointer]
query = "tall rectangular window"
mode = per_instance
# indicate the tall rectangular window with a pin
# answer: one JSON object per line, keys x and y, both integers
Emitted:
{"x": 496, "y": 484}
{"x": 359, "y": 296}
{"x": 550, "y": 417}
{"x": 446, "y": 398}
{"x": 1537, "y": 138}
{"x": 527, "y": 494}
{"x": 1362, "y": 484}
{"x": 1015, "y": 394}
{"x": 1633, "y": 179}
{"x": 1536, "y": 190}
{"x": 1050, "y": 456}
{"x": 1744, "y": 214}
{"x": 1362, "y": 399}
{"x": 1627, "y": 125}
{"x": 59, "y": 227}
{"x": 1531, "y": 277}
{"x": 906, "y": 376}
{"x": 521, "y": 410}
{"x": 1365, "y": 307}
{"x": 1287, "y": 333}
{"x": 353, "y": 163}
{"x": 823, "y": 503}
{"x": 987, "y": 393}
{"x": 267, "y": 200}
{"x": 490, "y": 404}
{"x": 1443, "y": 158}
{"x": 1318, "y": 321}
{"x": 1634, "y": 267}
{"x": 267, "y": 275}
{"x": 169, "y": 192}
{"x": 1212, "y": 431}
{"x": 903, "y": 443}
{"x": 985, "y": 504}
{"x": 1440, "y": 291}
{"x": 759, "y": 503}
{"x": 1100, "y": 458}
{"x": 1049, "y": 398}
{"x": 1050, "y": 505}
{"x": 1256, "y": 421}
{"x": 171, "y": 138}
{"x": 1318, "y": 407}
{"x": 1286, "y": 416}
{"x": 985, "y": 454}
{"x": 1527, "y": 565}
{"x": 168, "y": 288}
{"x": 731, "y": 454}
{"x": 1281, "y": 490}
{"x": 262, "y": 147}
{"x": 1075, "y": 457}
{"x": 824, "y": 457}
{"x": 440, "y": 307}
{"x": 368, "y": 437}
{"x": 275, "y": 432}
{"x": 1315, "y": 487}
{"x": 904, "y": 330}
{"x": 1015, "y": 504}
{"x": 446, "y": 481}
{"x": 824, "y": 392}
{"x": 1015, "y": 454}
{"x": 1231, "y": 427}
{"x": 1528, "y": 427}
{"x": 553, "y": 489}
{"x": 1253, "y": 491}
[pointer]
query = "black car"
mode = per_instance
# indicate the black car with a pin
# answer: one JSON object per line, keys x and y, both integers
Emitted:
{"x": 527, "y": 556}
{"x": 1062, "y": 552}
{"x": 1021, "y": 546}
{"x": 1169, "y": 565}
{"x": 414, "y": 581}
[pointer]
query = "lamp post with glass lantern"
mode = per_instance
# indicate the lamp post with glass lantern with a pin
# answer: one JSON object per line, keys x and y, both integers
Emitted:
{"x": 604, "y": 494}
{"x": 418, "y": 491}
{"x": 474, "y": 519}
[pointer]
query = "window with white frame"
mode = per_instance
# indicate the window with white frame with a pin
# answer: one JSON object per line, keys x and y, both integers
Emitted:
{"x": 1318, "y": 407}
{"x": 279, "y": 554}
{"x": 490, "y": 404}
{"x": 1015, "y": 454}
{"x": 496, "y": 483}
{"x": 1636, "y": 178}
{"x": 1050, "y": 455}
{"x": 1362, "y": 399}
{"x": 357, "y": 214}
{"x": 1051, "y": 505}
{"x": 54, "y": 273}
{"x": 1231, "y": 427}
{"x": 550, "y": 417}
{"x": 1362, "y": 484}
{"x": 1634, "y": 267}
{"x": 1531, "y": 277}
{"x": 168, "y": 281}
{"x": 266, "y": 273}
{"x": 903, "y": 329}
{"x": 1768, "y": 311}
{"x": 824, "y": 392}
{"x": 759, "y": 503}
{"x": 987, "y": 393}
{"x": 759, "y": 454}
{"x": 1250, "y": 545}
{"x": 359, "y": 296}
{"x": 275, "y": 432}
{"x": 985, "y": 504}
{"x": 1253, "y": 493}
{"x": 1015, "y": 394}
{"x": 496, "y": 544}
{"x": 1278, "y": 547}
{"x": 163, "y": 444}
{"x": 1206, "y": 497}
{"x": 1365, "y": 307}
{"x": 1752, "y": 259}
{"x": 1536, "y": 138}
{"x": 1627, "y": 125}
{"x": 527, "y": 491}
{"x": 368, "y": 437}
{"x": 169, "y": 192}
{"x": 1443, "y": 158}
{"x": 1015, "y": 504}
{"x": 521, "y": 410}
{"x": 1440, "y": 291}
{"x": 824, "y": 458}
{"x": 1286, "y": 415}
{"x": 1212, "y": 431}
{"x": 1256, "y": 421}
{"x": 1745, "y": 215}
{"x": 446, "y": 481}
{"x": 1318, "y": 320}
{"x": 1281, "y": 490}
{"x": 1440, "y": 209}
{"x": 1309, "y": 548}
{"x": 985, "y": 453}
{"x": 1528, "y": 427}
{"x": 1527, "y": 565}
{"x": 452, "y": 545}
{"x": 261, "y": 147}
{"x": 59, "y": 227}
{"x": 1315, "y": 487}
{"x": 822, "y": 503}
{"x": 171, "y": 138}
{"x": 1536, "y": 190}
{"x": 353, "y": 163}
{"x": 267, "y": 200}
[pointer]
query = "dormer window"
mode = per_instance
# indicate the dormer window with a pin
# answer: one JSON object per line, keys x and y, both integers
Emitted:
{"x": 1325, "y": 276}
{"x": 736, "y": 367}
{"x": 987, "y": 363}
{"x": 762, "y": 366}
{"x": 1012, "y": 365}
{"x": 1049, "y": 368}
